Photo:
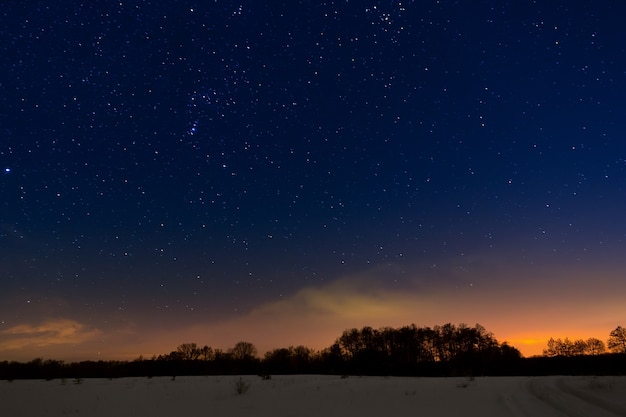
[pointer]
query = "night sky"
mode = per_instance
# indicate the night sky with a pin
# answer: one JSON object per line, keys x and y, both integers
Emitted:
{"x": 279, "y": 171}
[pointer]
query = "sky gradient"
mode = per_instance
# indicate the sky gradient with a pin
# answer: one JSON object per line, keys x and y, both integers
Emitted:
{"x": 220, "y": 171}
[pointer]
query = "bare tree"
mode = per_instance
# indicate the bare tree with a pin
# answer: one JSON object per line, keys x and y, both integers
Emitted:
{"x": 302, "y": 353}
{"x": 617, "y": 340}
{"x": 553, "y": 348}
{"x": 595, "y": 346}
{"x": 243, "y": 351}
{"x": 565, "y": 347}
{"x": 188, "y": 351}
{"x": 351, "y": 342}
{"x": 206, "y": 353}
{"x": 579, "y": 347}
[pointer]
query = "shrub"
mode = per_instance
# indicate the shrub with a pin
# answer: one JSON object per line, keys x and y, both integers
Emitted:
{"x": 241, "y": 387}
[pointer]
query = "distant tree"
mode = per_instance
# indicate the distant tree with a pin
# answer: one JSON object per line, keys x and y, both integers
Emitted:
{"x": 567, "y": 347}
{"x": 426, "y": 345}
{"x": 302, "y": 356}
{"x": 445, "y": 343}
{"x": 509, "y": 352}
{"x": 206, "y": 353}
{"x": 279, "y": 360}
{"x": 333, "y": 358}
{"x": 188, "y": 351}
{"x": 558, "y": 347}
{"x": 220, "y": 355}
{"x": 243, "y": 351}
{"x": 552, "y": 349}
{"x": 172, "y": 356}
{"x": 595, "y": 346}
{"x": 289, "y": 360}
{"x": 579, "y": 347}
{"x": 407, "y": 347}
{"x": 617, "y": 340}
{"x": 351, "y": 342}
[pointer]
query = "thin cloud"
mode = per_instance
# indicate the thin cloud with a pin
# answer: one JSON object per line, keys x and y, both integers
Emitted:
{"x": 316, "y": 316}
{"x": 46, "y": 334}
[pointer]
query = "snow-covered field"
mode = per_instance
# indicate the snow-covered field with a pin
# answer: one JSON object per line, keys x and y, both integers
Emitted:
{"x": 317, "y": 396}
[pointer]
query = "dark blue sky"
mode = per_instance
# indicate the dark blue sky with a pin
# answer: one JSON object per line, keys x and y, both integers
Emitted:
{"x": 191, "y": 162}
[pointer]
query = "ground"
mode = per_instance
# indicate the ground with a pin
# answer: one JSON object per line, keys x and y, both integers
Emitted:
{"x": 317, "y": 396}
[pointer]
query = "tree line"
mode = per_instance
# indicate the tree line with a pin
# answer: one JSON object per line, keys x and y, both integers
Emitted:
{"x": 616, "y": 343}
{"x": 446, "y": 350}
{"x": 581, "y": 357}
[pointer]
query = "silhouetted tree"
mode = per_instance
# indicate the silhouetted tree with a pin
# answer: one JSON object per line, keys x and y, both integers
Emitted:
{"x": 565, "y": 347}
{"x": 278, "y": 361}
{"x": 220, "y": 355}
{"x": 552, "y": 349}
{"x": 289, "y": 360}
{"x": 350, "y": 342}
{"x": 509, "y": 353}
{"x": 188, "y": 351}
{"x": 302, "y": 356}
{"x": 406, "y": 345}
{"x": 617, "y": 340}
{"x": 427, "y": 345}
{"x": 206, "y": 353}
{"x": 332, "y": 359}
{"x": 445, "y": 342}
{"x": 595, "y": 346}
{"x": 579, "y": 347}
{"x": 243, "y": 351}
{"x": 410, "y": 349}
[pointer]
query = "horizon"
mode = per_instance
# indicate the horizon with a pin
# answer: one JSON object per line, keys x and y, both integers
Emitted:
{"x": 315, "y": 317}
{"x": 527, "y": 346}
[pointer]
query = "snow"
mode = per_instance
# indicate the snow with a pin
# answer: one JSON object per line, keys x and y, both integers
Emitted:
{"x": 306, "y": 395}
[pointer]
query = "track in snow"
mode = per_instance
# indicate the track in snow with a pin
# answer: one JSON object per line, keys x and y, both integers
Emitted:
{"x": 563, "y": 399}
